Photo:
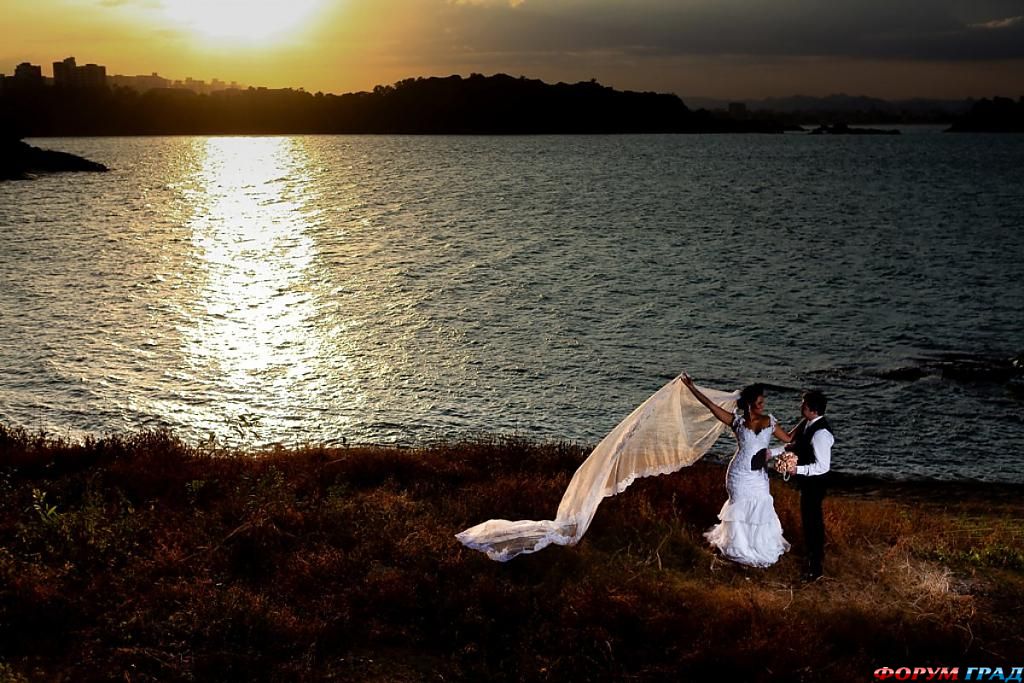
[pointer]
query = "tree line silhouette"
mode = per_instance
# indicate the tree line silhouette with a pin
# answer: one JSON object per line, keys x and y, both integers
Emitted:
{"x": 998, "y": 115}
{"x": 498, "y": 104}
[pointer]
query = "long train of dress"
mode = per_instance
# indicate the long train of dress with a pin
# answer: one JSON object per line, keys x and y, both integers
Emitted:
{"x": 668, "y": 431}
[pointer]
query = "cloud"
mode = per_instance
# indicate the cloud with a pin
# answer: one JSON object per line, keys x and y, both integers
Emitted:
{"x": 997, "y": 24}
{"x": 935, "y": 30}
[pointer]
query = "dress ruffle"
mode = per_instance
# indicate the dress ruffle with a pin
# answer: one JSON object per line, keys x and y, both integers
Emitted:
{"x": 749, "y": 532}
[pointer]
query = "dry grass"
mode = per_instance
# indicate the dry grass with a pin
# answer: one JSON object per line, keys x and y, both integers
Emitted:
{"x": 142, "y": 558}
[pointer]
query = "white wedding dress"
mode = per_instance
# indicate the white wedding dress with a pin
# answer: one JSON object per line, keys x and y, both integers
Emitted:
{"x": 749, "y": 531}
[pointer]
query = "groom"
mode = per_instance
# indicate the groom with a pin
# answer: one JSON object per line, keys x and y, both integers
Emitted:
{"x": 812, "y": 444}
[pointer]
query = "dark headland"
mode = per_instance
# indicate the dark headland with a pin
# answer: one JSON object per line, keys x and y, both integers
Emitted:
{"x": 996, "y": 115}
{"x": 20, "y": 161}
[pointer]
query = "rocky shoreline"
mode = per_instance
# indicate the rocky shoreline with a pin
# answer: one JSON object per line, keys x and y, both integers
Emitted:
{"x": 21, "y": 161}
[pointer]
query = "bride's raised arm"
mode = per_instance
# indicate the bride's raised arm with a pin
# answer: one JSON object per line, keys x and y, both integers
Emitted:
{"x": 722, "y": 414}
{"x": 782, "y": 435}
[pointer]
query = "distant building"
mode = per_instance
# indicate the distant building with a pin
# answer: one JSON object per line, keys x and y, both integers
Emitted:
{"x": 25, "y": 76}
{"x": 141, "y": 83}
{"x": 155, "y": 81}
{"x": 67, "y": 74}
{"x": 92, "y": 76}
{"x": 202, "y": 87}
{"x": 28, "y": 73}
{"x": 64, "y": 73}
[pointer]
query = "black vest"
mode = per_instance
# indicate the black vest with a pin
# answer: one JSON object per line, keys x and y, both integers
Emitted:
{"x": 802, "y": 440}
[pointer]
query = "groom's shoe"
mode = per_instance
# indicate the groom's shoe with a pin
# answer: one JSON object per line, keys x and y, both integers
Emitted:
{"x": 812, "y": 571}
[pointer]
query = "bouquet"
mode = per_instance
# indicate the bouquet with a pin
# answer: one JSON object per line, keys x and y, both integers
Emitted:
{"x": 782, "y": 463}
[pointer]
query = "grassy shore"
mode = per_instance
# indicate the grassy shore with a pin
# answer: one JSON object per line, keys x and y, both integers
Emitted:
{"x": 143, "y": 558}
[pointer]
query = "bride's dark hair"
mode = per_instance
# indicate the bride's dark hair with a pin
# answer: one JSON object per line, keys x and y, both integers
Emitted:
{"x": 748, "y": 395}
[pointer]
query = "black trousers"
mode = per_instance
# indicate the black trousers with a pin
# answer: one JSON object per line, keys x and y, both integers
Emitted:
{"x": 812, "y": 494}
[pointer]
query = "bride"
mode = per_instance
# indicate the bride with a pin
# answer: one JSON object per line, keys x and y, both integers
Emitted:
{"x": 749, "y": 531}
{"x": 671, "y": 430}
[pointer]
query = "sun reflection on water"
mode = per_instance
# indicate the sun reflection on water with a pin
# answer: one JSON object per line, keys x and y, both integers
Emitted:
{"x": 256, "y": 333}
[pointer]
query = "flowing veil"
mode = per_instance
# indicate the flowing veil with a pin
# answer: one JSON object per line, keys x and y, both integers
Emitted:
{"x": 668, "y": 431}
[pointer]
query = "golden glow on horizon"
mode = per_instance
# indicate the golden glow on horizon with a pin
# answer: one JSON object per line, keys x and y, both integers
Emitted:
{"x": 339, "y": 46}
{"x": 242, "y": 21}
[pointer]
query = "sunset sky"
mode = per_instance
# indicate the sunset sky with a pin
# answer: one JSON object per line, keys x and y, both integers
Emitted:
{"x": 712, "y": 48}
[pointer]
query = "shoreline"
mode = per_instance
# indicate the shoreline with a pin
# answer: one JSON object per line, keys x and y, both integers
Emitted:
{"x": 926, "y": 490}
{"x": 840, "y": 483}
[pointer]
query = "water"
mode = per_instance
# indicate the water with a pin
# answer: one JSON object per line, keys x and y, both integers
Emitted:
{"x": 404, "y": 289}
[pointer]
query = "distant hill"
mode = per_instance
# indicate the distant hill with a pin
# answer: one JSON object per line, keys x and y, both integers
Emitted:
{"x": 804, "y": 109}
{"x": 478, "y": 104}
{"x": 860, "y": 103}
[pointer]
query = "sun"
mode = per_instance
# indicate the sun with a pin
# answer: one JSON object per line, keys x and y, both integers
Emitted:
{"x": 242, "y": 21}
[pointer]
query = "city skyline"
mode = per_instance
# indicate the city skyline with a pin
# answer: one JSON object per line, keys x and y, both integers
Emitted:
{"x": 67, "y": 72}
{"x": 735, "y": 49}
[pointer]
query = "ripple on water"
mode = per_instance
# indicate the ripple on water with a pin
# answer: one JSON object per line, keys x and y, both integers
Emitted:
{"x": 398, "y": 289}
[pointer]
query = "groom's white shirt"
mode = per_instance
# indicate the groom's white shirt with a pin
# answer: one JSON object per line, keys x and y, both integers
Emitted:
{"x": 821, "y": 442}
